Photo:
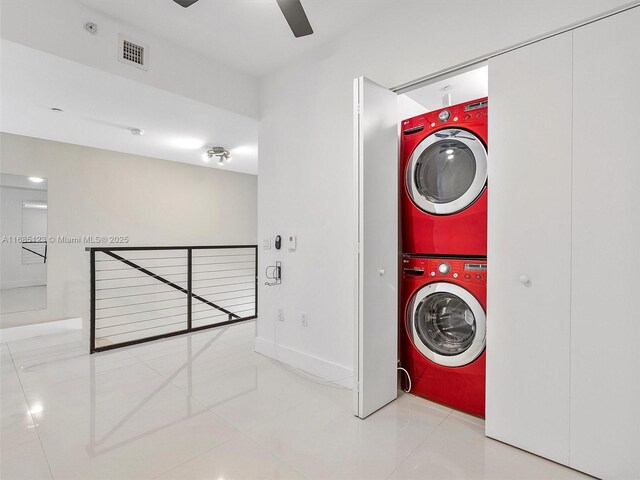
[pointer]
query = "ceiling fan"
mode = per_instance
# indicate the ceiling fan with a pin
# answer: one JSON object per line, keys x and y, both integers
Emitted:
{"x": 292, "y": 10}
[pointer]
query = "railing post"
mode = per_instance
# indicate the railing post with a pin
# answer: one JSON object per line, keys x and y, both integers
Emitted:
{"x": 189, "y": 287}
{"x": 256, "y": 290}
{"x": 92, "y": 346}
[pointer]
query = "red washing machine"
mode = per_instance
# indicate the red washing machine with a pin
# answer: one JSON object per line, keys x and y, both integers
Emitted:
{"x": 444, "y": 172}
{"x": 443, "y": 329}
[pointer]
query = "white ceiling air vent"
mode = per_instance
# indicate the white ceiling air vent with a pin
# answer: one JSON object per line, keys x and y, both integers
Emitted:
{"x": 133, "y": 53}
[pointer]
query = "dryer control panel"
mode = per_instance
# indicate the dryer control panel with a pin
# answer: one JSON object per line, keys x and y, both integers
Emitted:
{"x": 460, "y": 270}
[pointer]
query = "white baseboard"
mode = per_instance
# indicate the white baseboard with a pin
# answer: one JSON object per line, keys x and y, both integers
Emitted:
{"x": 13, "y": 334}
{"x": 308, "y": 363}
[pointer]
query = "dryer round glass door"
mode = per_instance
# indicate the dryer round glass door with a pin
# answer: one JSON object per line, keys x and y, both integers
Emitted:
{"x": 446, "y": 324}
{"x": 447, "y": 171}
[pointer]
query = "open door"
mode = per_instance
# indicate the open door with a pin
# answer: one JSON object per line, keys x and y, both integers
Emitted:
{"x": 376, "y": 163}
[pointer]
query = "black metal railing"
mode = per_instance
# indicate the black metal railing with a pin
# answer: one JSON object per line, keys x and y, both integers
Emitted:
{"x": 34, "y": 253}
{"x": 139, "y": 294}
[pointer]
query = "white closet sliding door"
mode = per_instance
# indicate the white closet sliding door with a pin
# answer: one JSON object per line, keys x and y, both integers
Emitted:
{"x": 529, "y": 249}
{"x": 605, "y": 325}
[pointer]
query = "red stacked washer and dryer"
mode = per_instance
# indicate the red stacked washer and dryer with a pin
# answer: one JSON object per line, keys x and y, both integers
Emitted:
{"x": 444, "y": 243}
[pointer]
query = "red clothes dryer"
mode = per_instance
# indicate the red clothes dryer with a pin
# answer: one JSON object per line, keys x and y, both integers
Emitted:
{"x": 443, "y": 330}
{"x": 444, "y": 175}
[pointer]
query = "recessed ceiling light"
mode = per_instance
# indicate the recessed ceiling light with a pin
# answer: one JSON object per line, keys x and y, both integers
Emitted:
{"x": 187, "y": 143}
{"x": 36, "y": 179}
{"x": 56, "y": 109}
{"x": 137, "y": 132}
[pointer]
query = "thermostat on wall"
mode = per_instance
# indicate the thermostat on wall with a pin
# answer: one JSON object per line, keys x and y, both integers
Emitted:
{"x": 291, "y": 242}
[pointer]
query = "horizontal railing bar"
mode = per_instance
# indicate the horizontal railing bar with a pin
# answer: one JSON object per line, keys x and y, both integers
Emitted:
{"x": 138, "y": 259}
{"x": 136, "y": 286}
{"x": 137, "y": 295}
{"x": 201, "y": 288}
{"x": 224, "y": 263}
{"x": 139, "y": 268}
{"x": 225, "y": 270}
{"x": 234, "y": 298}
{"x": 229, "y": 284}
{"x": 141, "y": 303}
{"x": 227, "y": 306}
{"x": 209, "y": 325}
{"x": 252, "y": 274}
{"x": 228, "y": 255}
{"x": 141, "y": 321}
{"x": 213, "y": 316}
{"x": 181, "y": 247}
{"x": 224, "y": 291}
{"x": 142, "y": 330}
{"x": 138, "y": 276}
{"x": 143, "y": 311}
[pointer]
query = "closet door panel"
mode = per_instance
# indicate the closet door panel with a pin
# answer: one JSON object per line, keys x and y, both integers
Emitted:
{"x": 605, "y": 325}
{"x": 529, "y": 248}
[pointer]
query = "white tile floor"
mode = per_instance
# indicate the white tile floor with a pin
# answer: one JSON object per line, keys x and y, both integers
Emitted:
{"x": 206, "y": 406}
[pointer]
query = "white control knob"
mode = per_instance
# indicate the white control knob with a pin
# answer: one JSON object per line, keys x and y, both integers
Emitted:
{"x": 524, "y": 280}
{"x": 455, "y": 275}
{"x": 433, "y": 274}
{"x": 444, "y": 268}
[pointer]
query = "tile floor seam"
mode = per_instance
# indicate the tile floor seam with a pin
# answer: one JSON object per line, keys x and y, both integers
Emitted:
{"x": 418, "y": 445}
{"x": 26, "y": 400}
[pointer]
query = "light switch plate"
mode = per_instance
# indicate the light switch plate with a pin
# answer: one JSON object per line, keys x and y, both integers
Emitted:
{"x": 292, "y": 242}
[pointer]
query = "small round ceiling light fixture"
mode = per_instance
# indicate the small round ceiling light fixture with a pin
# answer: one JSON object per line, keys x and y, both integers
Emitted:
{"x": 56, "y": 109}
{"x": 221, "y": 154}
{"x": 137, "y": 132}
{"x": 91, "y": 27}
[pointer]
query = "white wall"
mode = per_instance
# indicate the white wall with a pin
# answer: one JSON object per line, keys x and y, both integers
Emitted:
{"x": 15, "y": 222}
{"x": 306, "y": 152}
{"x": 99, "y": 192}
{"x": 56, "y": 26}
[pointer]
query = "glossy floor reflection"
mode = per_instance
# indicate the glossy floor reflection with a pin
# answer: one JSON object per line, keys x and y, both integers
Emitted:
{"x": 206, "y": 406}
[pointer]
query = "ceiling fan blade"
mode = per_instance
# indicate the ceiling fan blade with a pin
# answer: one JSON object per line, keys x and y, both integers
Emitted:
{"x": 185, "y": 3}
{"x": 296, "y": 17}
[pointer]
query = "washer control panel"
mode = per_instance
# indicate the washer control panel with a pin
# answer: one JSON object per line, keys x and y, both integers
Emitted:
{"x": 463, "y": 271}
{"x": 467, "y": 112}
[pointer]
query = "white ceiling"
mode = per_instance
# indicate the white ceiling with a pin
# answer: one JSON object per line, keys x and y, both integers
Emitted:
{"x": 251, "y": 36}
{"x": 100, "y": 109}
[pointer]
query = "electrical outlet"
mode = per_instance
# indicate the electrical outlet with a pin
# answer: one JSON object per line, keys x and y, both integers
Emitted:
{"x": 303, "y": 319}
{"x": 280, "y": 315}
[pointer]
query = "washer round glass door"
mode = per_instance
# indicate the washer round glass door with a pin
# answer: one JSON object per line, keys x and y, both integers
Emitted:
{"x": 446, "y": 324}
{"x": 447, "y": 171}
